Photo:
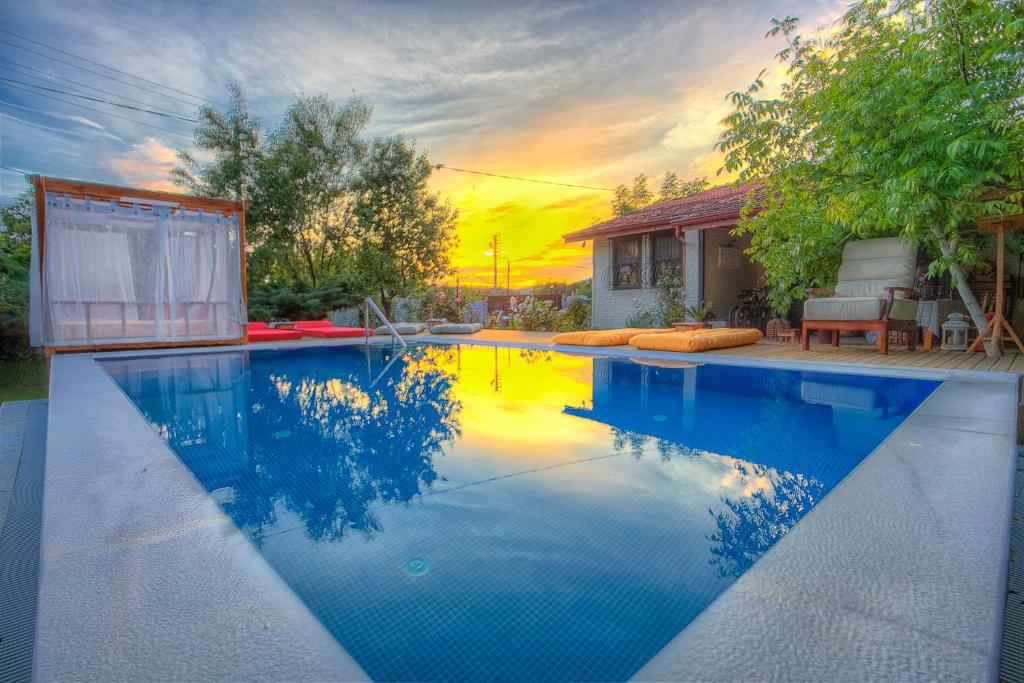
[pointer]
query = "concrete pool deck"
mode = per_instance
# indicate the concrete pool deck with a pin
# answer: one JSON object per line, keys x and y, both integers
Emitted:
{"x": 900, "y": 572}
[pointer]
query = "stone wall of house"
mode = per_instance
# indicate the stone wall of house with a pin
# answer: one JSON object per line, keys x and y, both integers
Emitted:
{"x": 613, "y": 307}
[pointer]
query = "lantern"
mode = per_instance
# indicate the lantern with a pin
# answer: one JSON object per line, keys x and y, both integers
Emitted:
{"x": 954, "y": 333}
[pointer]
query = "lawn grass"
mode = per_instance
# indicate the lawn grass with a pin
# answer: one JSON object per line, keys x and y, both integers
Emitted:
{"x": 21, "y": 380}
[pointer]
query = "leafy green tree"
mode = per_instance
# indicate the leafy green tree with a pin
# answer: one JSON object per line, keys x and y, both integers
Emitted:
{"x": 629, "y": 199}
{"x": 296, "y": 181}
{"x": 235, "y": 139}
{"x": 550, "y": 287}
{"x": 899, "y": 123}
{"x": 581, "y": 288}
{"x": 15, "y": 258}
{"x": 401, "y": 234}
{"x": 638, "y": 195}
{"x": 674, "y": 188}
{"x": 303, "y": 193}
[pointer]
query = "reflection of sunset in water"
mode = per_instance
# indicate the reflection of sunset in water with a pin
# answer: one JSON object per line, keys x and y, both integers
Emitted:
{"x": 497, "y": 384}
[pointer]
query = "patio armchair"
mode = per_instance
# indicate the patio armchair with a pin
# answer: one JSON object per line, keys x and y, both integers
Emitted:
{"x": 874, "y": 293}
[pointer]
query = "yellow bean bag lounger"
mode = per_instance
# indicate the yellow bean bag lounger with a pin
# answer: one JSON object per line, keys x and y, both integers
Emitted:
{"x": 603, "y": 337}
{"x": 695, "y": 341}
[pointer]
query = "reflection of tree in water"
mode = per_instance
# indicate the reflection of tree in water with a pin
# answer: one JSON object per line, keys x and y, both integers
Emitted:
{"x": 749, "y": 525}
{"x": 753, "y": 524}
{"x": 332, "y": 449}
{"x": 532, "y": 356}
{"x": 634, "y": 442}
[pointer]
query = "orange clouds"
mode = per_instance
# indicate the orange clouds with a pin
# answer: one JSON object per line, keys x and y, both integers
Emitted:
{"x": 147, "y": 164}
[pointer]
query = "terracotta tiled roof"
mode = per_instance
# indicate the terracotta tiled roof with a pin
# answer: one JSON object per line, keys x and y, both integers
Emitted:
{"x": 718, "y": 203}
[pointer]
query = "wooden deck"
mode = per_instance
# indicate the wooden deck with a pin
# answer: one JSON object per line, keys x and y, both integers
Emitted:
{"x": 853, "y": 353}
{"x": 864, "y": 354}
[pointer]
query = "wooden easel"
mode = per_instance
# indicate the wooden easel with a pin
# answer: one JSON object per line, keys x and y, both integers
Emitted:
{"x": 999, "y": 225}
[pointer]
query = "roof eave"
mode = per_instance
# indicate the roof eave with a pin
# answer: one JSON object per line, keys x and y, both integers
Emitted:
{"x": 695, "y": 223}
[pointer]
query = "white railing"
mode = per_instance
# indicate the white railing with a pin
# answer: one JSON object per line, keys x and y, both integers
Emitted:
{"x": 370, "y": 305}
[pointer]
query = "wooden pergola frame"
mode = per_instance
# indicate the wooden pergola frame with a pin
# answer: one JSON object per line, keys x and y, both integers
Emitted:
{"x": 80, "y": 190}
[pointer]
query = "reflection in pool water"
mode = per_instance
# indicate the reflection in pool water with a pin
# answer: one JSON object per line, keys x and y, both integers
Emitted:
{"x": 469, "y": 513}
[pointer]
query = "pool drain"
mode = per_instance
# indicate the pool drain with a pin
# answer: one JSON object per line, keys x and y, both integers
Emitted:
{"x": 416, "y": 566}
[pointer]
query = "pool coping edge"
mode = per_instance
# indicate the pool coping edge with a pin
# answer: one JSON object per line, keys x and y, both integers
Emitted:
{"x": 665, "y": 663}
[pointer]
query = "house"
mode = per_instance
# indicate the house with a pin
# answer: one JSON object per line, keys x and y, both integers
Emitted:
{"x": 692, "y": 232}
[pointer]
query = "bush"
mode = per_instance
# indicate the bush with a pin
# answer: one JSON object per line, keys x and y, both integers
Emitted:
{"x": 576, "y": 316}
{"x": 15, "y": 256}
{"x": 300, "y": 302}
{"x": 668, "y": 306}
{"x": 644, "y": 317}
{"x": 534, "y": 315}
{"x": 445, "y": 302}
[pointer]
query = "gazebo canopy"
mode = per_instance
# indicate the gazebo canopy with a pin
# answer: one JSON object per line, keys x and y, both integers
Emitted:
{"x": 118, "y": 267}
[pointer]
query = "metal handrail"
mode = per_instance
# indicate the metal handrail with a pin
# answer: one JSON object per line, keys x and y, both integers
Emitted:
{"x": 369, "y": 305}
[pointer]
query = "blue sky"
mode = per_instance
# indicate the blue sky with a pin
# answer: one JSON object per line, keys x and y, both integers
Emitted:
{"x": 579, "y": 92}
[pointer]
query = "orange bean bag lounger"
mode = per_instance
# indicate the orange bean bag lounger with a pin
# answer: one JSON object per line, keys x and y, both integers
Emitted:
{"x": 695, "y": 341}
{"x": 603, "y": 337}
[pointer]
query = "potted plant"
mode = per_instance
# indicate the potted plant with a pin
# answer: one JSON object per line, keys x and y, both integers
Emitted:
{"x": 699, "y": 314}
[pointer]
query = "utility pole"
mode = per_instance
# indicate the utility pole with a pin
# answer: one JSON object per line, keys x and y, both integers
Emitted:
{"x": 494, "y": 250}
{"x": 508, "y": 276}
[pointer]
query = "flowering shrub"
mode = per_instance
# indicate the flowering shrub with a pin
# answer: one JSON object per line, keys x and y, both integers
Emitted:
{"x": 446, "y": 303}
{"x": 535, "y": 315}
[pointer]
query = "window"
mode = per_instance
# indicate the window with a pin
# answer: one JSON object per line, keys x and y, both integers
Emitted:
{"x": 664, "y": 255}
{"x": 626, "y": 262}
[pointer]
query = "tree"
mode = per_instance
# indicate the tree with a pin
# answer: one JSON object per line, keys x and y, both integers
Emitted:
{"x": 900, "y": 123}
{"x": 401, "y": 234}
{"x": 674, "y": 188}
{"x": 629, "y": 199}
{"x": 303, "y": 192}
{"x": 15, "y": 258}
{"x": 550, "y": 287}
{"x": 234, "y": 138}
{"x": 638, "y": 195}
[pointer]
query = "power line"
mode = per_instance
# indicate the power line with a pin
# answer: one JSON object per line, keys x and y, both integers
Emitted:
{"x": 16, "y": 170}
{"x": 527, "y": 180}
{"x": 98, "y": 73}
{"x": 78, "y": 132}
{"x": 98, "y": 99}
{"x": 108, "y": 67}
{"x": 100, "y": 111}
{"x": 53, "y": 76}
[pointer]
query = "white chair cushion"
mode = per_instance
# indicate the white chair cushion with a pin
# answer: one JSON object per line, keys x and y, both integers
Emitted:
{"x": 844, "y": 308}
{"x": 858, "y": 308}
{"x": 869, "y": 266}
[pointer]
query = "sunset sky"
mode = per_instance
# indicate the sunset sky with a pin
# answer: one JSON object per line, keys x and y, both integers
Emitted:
{"x": 587, "y": 93}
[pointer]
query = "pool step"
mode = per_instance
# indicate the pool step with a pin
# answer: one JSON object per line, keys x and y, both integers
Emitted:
{"x": 22, "y": 450}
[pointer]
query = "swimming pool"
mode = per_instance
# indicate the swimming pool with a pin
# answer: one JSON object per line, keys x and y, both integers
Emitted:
{"x": 473, "y": 512}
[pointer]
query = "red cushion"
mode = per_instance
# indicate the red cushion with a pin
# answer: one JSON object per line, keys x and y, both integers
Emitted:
{"x": 257, "y": 326}
{"x": 273, "y": 335}
{"x": 334, "y": 332}
{"x": 303, "y": 324}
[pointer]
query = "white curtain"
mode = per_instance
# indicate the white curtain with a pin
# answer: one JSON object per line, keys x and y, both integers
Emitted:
{"x": 115, "y": 274}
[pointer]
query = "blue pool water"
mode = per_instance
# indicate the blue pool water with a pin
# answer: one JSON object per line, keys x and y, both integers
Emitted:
{"x": 480, "y": 513}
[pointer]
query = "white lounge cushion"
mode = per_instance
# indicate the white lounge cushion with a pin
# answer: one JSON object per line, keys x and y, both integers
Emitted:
{"x": 456, "y": 328}
{"x": 402, "y": 329}
{"x": 858, "y": 308}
